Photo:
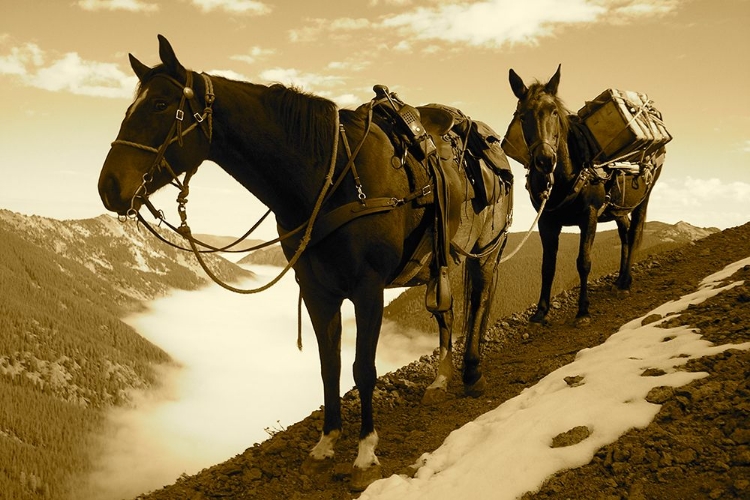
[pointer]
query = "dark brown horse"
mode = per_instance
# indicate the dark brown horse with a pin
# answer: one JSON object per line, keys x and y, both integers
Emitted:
{"x": 560, "y": 170}
{"x": 280, "y": 144}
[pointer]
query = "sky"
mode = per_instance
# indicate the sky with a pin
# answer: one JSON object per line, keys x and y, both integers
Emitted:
{"x": 67, "y": 82}
{"x": 211, "y": 406}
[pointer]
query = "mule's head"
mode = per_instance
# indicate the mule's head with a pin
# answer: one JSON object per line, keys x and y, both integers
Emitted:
{"x": 542, "y": 118}
{"x": 157, "y": 123}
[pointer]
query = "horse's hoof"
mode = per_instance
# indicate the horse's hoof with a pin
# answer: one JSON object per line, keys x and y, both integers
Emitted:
{"x": 362, "y": 478}
{"x": 582, "y": 321}
{"x": 434, "y": 396}
{"x": 537, "y": 325}
{"x": 476, "y": 389}
{"x": 622, "y": 293}
{"x": 313, "y": 467}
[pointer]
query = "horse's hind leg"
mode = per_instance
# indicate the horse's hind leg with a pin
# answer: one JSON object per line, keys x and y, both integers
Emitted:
{"x": 438, "y": 390}
{"x": 480, "y": 284}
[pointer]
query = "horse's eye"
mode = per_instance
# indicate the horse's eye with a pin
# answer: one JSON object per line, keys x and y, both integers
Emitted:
{"x": 160, "y": 105}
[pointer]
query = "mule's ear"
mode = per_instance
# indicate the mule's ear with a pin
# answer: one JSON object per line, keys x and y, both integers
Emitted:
{"x": 139, "y": 68}
{"x": 553, "y": 82}
{"x": 516, "y": 83}
{"x": 168, "y": 57}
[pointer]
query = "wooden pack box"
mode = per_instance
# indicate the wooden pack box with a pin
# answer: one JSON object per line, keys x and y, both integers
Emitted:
{"x": 624, "y": 124}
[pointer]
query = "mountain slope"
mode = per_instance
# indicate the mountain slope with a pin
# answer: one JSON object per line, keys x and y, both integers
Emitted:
{"x": 65, "y": 354}
{"x": 713, "y": 418}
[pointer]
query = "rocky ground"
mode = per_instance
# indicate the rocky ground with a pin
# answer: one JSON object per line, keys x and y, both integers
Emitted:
{"x": 697, "y": 447}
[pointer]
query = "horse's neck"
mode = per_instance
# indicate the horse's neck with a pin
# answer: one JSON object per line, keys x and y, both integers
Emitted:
{"x": 251, "y": 145}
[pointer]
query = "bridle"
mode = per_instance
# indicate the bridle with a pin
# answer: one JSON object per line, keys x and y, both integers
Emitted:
{"x": 540, "y": 142}
{"x": 203, "y": 120}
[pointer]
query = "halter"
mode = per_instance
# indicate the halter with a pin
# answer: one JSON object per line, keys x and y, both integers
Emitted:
{"x": 538, "y": 143}
{"x": 176, "y": 133}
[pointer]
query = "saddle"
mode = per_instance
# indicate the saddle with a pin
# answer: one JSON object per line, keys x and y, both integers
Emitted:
{"x": 444, "y": 140}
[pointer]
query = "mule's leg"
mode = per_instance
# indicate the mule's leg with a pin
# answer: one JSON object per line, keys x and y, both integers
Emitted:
{"x": 368, "y": 308}
{"x": 438, "y": 390}
{"x": 583, "y": 263}
{"x": 325, "y": 314}
{"x": 549, "y": 232}
{"x": 623, "y": 230}
{"x": 635, "y": 233}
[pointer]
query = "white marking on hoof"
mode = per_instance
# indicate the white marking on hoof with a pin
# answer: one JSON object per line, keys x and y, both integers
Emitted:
{"x": 440, "y": 383}
{"x": 324, "y": 448}
{"x": 366, "y": 457}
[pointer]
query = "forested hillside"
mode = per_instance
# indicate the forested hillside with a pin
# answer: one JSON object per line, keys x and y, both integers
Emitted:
{"x": 65, "y": 354}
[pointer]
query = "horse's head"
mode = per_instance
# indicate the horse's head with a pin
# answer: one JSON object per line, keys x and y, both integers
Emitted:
{"x": 542, "y": 116}
{"x": 156, "y": 142}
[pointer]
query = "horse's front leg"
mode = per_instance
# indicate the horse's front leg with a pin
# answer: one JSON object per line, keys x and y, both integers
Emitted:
{"x": 549, "y": 232}
{"x": 623, "y": 231}
{"x": 438, "y": 390}
{"x": 583, "y": 264}
{"x": 368, "y": 308}
{"x": 325, "y": 314}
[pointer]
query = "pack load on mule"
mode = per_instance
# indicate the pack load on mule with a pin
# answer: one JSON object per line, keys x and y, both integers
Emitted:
{"x": 619, "y": 130}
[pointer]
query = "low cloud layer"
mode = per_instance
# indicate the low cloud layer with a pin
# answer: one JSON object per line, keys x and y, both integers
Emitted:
{"x": 238, "y": 372}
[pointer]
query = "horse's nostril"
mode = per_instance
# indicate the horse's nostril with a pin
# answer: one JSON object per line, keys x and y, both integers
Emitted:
{"x": 109, "y": 189}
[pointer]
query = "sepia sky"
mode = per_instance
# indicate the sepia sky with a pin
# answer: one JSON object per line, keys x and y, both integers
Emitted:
{"x": 66, "y": 82}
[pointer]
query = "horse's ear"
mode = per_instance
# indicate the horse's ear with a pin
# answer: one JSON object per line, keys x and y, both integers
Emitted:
{"x": 553, "y": 82}
{"x": 516, "y": 83}
{"x": 168, "y": 57}
{"x": 139, "y": 68}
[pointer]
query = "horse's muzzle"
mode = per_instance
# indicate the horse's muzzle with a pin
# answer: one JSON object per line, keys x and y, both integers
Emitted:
{"x": 110, "y": 194}
{"x": 544, "y": 158}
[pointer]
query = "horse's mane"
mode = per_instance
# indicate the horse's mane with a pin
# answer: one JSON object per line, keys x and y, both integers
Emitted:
{"x": 308, "y": 119}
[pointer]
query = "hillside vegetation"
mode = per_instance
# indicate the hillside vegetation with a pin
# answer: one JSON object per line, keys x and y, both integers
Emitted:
{"x": 65, "y": 354}
{"x": 519, "y": 279}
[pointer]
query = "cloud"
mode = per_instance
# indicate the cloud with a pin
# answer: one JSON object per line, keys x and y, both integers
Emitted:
{"x": 306, "y": 81}
{"x": 69, "y": 73}
{"x": 127, "y": 5}
{"x": 702, "y": 202}
{"x": 745, "y": 147}
{"x": 341, "y": 28}
{"x": 253, "y": 7}
{"x": 254, "y": 55}
{"x": 492, "y": 23}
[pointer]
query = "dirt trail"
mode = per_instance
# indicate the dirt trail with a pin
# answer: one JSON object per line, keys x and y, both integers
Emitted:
{"x": 697, "y": 447}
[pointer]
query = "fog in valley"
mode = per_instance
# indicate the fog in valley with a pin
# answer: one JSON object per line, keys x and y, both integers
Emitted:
{"x": 239, "y": 376}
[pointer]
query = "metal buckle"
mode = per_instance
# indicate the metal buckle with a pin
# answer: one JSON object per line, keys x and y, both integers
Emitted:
{"x": 198, "y": 117}
{"x": 427, "y": 190}
{"x": 180, "y": 114}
